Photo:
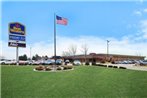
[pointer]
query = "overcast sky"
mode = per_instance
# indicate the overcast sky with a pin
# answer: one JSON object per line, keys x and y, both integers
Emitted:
{"x": 124, "y": 23}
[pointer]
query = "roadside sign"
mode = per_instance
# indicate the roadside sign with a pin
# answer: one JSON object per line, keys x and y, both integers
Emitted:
{"x": 17, "y": 35}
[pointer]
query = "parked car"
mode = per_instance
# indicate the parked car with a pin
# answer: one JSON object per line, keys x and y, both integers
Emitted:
{"x": 117, "y": 62}
{"x": 30, "y": 62}
{"x": 67, "y": 62}
{"x": 36, "y": 63}
{"x": 2, "y": 61}
{"x": 21, "y": 62}
{"x": 125, "y": 62}
{"x": 59, "y": 62}
{"x": 10, "y": 62}
{"x": 143, "y": 62}
{"x": 48, "y": 62}
{"x": 76, "y": 62}
{"x": 13, "y": 62}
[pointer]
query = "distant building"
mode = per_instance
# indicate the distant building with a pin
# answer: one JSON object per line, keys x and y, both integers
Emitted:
{"x": 93, "y": 57}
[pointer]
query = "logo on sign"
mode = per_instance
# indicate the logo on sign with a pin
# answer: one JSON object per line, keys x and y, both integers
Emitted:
{"x": 13, "y": 44}
{"x": 17, "y": 28}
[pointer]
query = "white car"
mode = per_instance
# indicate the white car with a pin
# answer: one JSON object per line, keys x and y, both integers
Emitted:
{"x": 49, "y": 62}
{"x": 36, "y": 62}
{"x": 143, "y": 62}
{"x": 8, "y": 62}
{"x": 21, "y": 62}
{"x": 2, "y": 61}
{"x": 77, "y": 62}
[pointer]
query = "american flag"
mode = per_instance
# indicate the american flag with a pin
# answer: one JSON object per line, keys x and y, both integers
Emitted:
{"x": 61, "y": 20}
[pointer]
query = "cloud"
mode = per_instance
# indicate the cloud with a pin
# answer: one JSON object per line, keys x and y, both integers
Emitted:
{"x": 141, "y": 1}
{"x": 95, "y": 44}
{"x": 143, "y": 27}
{"x": 139, "y": 13}
{"x": 145, "y": 10}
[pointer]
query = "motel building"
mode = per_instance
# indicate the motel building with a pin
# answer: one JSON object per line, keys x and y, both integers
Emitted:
{"x": 96, "y": 58}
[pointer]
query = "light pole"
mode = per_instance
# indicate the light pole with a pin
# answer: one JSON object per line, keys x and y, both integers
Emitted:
{"x": 30, "y": 54}
{"x": 108, "y": 48}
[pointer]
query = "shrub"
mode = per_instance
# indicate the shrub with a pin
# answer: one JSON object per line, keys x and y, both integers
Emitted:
{"x": 99, "y": 65}
{"x": 104, "y": 65}
{"x": 87, "y": 63}
{"x": 115, "y": 67}
{"x": 113, "y": 62}
{"x": 59, "y": 68}
{"x": 93, "y": 63}
{"x": 110, "y": 66}
{"x": 70, "y": 67}
{"x": 102, "y": 61}
{"x": 122, "y": 67}
{"x": 67, "y": 67}
{"x": 48, "y": 68}
{"x": 39, "y": 67}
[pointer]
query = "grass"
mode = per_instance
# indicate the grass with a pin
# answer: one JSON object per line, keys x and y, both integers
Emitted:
{"x": 82, "y": 82}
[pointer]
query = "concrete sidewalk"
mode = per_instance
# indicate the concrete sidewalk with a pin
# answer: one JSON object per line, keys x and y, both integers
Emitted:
{"x": 131, "y": 66}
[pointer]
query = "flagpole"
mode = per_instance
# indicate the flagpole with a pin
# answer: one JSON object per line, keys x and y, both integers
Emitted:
{"x": 55, "y": 38}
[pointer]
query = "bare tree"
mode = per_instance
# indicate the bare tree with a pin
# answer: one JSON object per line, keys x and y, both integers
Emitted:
{"x": 138, "y": 54}
{"x": 66, "y": 53}
{"x": 73, "y": 50}
{"x": 84, "y": 49}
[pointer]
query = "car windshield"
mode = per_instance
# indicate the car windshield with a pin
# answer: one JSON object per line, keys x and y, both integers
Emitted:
{"x": 76, "y": 61}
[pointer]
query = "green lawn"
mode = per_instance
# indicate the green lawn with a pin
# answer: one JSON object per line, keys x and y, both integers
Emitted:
{"x": 82, "y": 82}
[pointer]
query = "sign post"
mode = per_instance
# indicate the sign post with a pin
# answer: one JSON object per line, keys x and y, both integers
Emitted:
{"x": 17, "y": 37}
{"x": 17, "y": 58}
